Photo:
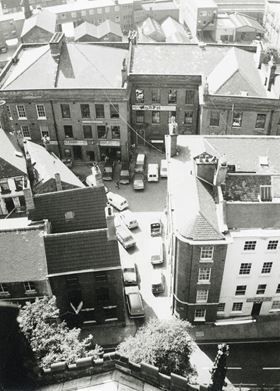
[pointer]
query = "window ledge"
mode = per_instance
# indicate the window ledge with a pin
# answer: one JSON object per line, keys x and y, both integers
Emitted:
{"x": 206, "y": 260}
{"x": 22, "y": 118}
{"x": 276, "y": 310}
{"x": 203, "y": 282}
{"x": 31, "y": 292}
{"x": 199, "y": 320}
{"x": 111, "y": 320}
{"x": 109, "y": 307}
{"x": 43, "y": 118}
{"x": 236, "y": 312}
{"x": 5, "y": 294}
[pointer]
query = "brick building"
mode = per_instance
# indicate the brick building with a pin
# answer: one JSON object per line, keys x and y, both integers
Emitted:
{"x": 223, "y": 225}
{"x": 39, "y": 27}
{"x": 106, "y": 31}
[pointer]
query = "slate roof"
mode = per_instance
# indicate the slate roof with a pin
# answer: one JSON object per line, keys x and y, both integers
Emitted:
{"x": 152, "y": 29}
{"x": 174, "y": 31}
{"x": 85, "y": 250}
{"x": 87, "y": 204}
{"x": 45, "y": 20}
{"x": 98, "y": 32}
{"x": 12, "y": 161}
{"x": 47, "y": 165}
{"x": 23, "y": 247}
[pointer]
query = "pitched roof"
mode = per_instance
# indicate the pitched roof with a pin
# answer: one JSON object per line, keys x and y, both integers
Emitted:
{"x": 23, "y": 245}
{"x": 85, "y": 28}
{"x": 240, "y": 20}
{"x": 87, "y": 205}
{"x": 107, "y": 27}
{"x": 47, "y": 165}
{"x": 45, "y": 20}
{"x": 85, "y": 250}
{"x": 152, "y": 29}
{"x": 13, "y": 162}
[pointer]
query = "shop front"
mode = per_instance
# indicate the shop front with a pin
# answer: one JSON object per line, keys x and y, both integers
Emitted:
{"x": 80, "y": 150}
{"x": 110, "y": 149}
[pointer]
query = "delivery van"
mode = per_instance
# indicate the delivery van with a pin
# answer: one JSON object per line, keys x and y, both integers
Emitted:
{"x": 140, "y": 162}
{"x": 152, "y": 172}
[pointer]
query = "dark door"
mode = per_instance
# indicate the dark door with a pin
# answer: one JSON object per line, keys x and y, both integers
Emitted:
{"x": 91, "y": 155}
{"x": 9, "y": 204}
{"x": 77, "y": 151}
{"x": 256, "y": 308}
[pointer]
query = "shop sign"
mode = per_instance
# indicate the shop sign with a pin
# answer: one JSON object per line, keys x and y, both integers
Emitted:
{"x": 92, "y": 122}
{"x": 109, "y": 143}
{"x": 258, "y": 299}
{"x": 75, "y": 142}
{"x": 154, "y": 107}
{"x": 53, "y": 143}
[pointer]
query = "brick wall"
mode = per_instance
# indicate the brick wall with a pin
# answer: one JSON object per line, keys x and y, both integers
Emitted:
{"x": 37, "y": 35}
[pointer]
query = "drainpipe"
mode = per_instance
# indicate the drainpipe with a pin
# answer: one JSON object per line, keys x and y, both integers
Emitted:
{"x": 270, "y": 123}
{"x": 56, "y": 131}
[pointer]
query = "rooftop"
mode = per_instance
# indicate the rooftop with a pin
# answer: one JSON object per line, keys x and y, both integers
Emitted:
{"x": 159, "y": 5}
{"x": 107, "y": 27}
{"x": 241, "y": 20}
{"x": 45, "y": 20}
{"x": 86, "y": 4}
{"x": 11, "y": 158}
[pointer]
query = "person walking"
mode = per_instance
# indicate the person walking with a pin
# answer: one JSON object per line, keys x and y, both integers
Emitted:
{"x": 118, "y": 184}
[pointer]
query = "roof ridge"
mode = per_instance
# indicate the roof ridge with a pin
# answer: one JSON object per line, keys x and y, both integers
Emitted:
{"x": 74, "y": 233}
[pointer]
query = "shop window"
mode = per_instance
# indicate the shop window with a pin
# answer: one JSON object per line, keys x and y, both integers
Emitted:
{"x": 85, "y": 110}
{"x": 199, "y": 314}
{"x": 272, "y": 245}
{"x": 4, "y": 291}
{"x": 155, "y": 95}
{"x": 240, "y": 290}
{"x": 188, "y": 117}
{"x": 65, "y": 110}
{"x": 237, "y": 307}
{"x": 189, "y": 97}
{"x": 114, "y": 111}
{"x": 41, "y": 113}
{"x": 67, "y": 153}
{"x": 21, "y": 112}
{"x": 116, "y": 133}
{"x": 99, "y": 111}
{"x": 25, "y": 131}
{"x": 214, "y": 118}
{"x": 139, "y": 95}
{"x": 155, "y": 117}
{"x": 102, "y": 294}
{"x": 68, "y": 130}
{"x": 237, "y": 119}
{"x": 265, "y": 193}
{"x": 172, "y": 116}
{"x": 260, "y": 121}
{"x": 261, "y": 289}
{"x": 87, "y": 131}
{"x": 140, "y": 116}
{"x": 172, "y": 96}
{"x": 101, "y": 131}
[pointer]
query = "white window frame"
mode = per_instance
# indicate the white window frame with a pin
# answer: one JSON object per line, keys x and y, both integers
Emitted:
{"x": 245, "y": 263}
{"x": 263, "y": 289}
{"x": 202, "y": 295}
{"x": 200, "y": 273}
{"x": 22, "y": 131}
{"x": 248, "y": 244}
{"x": 27, "y": 287}
{"x": 242, "y": 293}
{"x": 4, "y": 291}
{"x": 40, "y": 107}
{"x": 237, "y": 310}
{"x": 199, "y": 318}
{"x": 204, "y": 250}
{"x": 84, "y": 13}
{"x": 277, "y": 306}
{"x": 266, "y": 267}
{"x": 43, "y": 130}
{"x": 272, "y": 243}
{"x": 224, "y": 306}
{"x": 19, "y": 108}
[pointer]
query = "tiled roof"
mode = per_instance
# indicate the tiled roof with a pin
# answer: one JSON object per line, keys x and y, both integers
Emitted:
{"x": 23, "y": 253}
{"x": 47, "y": 165}
{"x": 45, "y": 20}
{"x": 87, "y": 205}
{"x": 87, "y": 250}
{"x": 107, "y": 27}
{"x": 12, "y": 161}
{"x": 80, "y": 66}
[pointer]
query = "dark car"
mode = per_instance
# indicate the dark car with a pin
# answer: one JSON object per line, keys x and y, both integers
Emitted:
{"x": 134, "y": 302}
{"x": 124, "y": 173}
{"x": 108, "y": 171}
{"x": 138, "y": 181}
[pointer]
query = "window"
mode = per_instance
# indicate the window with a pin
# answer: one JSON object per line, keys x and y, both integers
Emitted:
{"x": 237, "y": 119}
{"x": 107, "y": 9}
{"x": 21, "y": 112}
{"x": 189, "y": 97}
{"x": 19, "y": 183}
{"x": 260, "y": 121}
{"x": 74, "y": 14}
{"x": 204, "y": 274}
{"x": 237, "y": 307}
{"x": 87, "y": 131}
{"x": 67, "y": 153}
{"x": 69, "y": 215}
{"x": 206, "y": 252}
{"x": 84, "y": 13}
{"x": 265, "y": 193}
{"x": 155, "y": 117}
{"x": 117, "y": 19}
{"x": 266, "y": 269}
{"x": 221, "y": 307}
{"x": 29, "y": 287}
{"x": 117, "y": 8}
{"x": 110, "y": 313}
{"x": 4, "y": 187}
{"x": 41, "y": 111}
{"x": 188, "y": 117}
{"x": 25, "y": 131}
{"x": 85, "y": 111}
{"x": 101, "y": 131}
{"x": 250, "y": 245}
{"x": 99, "y": 10}
{"x": 202, "y": 295}
{"x": 91, "y": 11}
{"x": 139, "y": 117}
{"x": 44, "y": 129}
{"x": 4, "y": 290}
{"x": 245, "y": 268}
{"x": 214, "y": 118}
{"x": 278, "y": 289}
{"x": 199, "y": 314}
{"x": 65, "y": 110}
{"x": 116, "y": 132}
{"x": 102, "y": 294}
{"x": 155, "y": 95}
{"x": 9, "y": 112}
{"x": 99, "y": 111}
{"x": 261, "y": 289}
{"x": 172, "y": 96}
{"x": 272, "y": 245}
{"x": 68, "y": 130}
{"x": 275, "y": 305}
{"x": 114, "y": 111}
{"x": 139, "y": 95}
{"x": 240, "y": 290}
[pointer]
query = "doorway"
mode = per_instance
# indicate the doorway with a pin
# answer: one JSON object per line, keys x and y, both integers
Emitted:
{"x": 77, "y": 152}
{"x": 91, "y": 156}
{"x": 9, "y": 204}
{"x": 256, "y": 308}
{"x": 140, "y": 138}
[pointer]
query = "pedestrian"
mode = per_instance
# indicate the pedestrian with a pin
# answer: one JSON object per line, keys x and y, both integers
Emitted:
{"x": 118, "y": 184}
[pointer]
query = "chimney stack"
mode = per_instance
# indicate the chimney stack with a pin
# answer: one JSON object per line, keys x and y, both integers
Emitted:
{"x": 271, "y": 73}
{"x": 29, "y": 202}
{"x": 173, "y": 132}
{"x": 55, "y": 44}
{"x": 27, "y": 9}
{"x": 124, "y": 72}
{"x": 58, "y": 181}
{"x": 110, "y": 220}
{"x": 259, "y": 55}
{"x": 5, "y": 122}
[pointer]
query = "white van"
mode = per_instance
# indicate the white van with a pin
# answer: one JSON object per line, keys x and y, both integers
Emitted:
{"x": 140, "y": 162}
{"x": 117, "y": 201}
{"x": 163, "y": 168}
{"x": 152, "y": 172}
{"x": 129, "y": 219}
{"x": 156, "y": 251}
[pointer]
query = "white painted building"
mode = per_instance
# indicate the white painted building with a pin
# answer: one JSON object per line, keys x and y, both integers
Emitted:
{"x": 271, "y": 22}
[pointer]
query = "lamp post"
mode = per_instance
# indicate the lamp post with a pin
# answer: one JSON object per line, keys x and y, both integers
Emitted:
{"x": 218, "y": 373}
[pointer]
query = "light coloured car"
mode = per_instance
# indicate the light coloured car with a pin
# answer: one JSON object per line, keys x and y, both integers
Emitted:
{"x": 138, "y": 182}
{"x": 129, "y": 273}
{"x": 163, "y": 168}
{"x": 117, "y": 201}
{"x": 124, "y": 236}
{"x": 152, "y": 172}
{"x": 156, "y": 251}
{"x": 134, "y": 302}
{"x": 129, "y": 219}
{"x": 156, "y": 227}
{"x": 158, "y": 282}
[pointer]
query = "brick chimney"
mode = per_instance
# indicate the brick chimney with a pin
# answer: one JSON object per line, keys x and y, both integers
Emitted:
{"x": 221, "y": 172}
{"x": 27, "y": 9}
{"x": 124, "y": 72}
{"x": 259, "y": 55}
{"x": 56, "y": 43}
{"x": 110, "y": 220}
{"x": 29, "y": 202}
{"x": 58, "y": 181}
{"x": 5, "y": 122}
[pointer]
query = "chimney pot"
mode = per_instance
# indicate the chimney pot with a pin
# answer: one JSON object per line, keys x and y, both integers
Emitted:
{"x": 110, "y": 220}
{"x": 58, "y": 181}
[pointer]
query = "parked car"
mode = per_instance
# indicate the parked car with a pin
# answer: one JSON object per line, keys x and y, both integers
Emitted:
{"x": 108, "y": 171}
{"x": 124, "y": 173}
{"x": 158, "y": 282}
{"x": 124, "y": 236}
{"x": 117, "y": 201}
{"x": 156, "y": 227}
{"x": 156, "y": 251}
{"x": 129, "y": 219}
{"x": 134, "y": 302}
{"x": 140, "y": 163}
{"x": 138, "y": 182}
{"x": 163, "y": 168}
{"x": 152, "y": 172}
{"x": 129, "y": 273}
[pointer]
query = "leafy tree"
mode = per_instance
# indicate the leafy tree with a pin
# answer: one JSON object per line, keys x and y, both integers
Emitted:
{"x": 51, "y": 340}
{"x": 165, "y": 344}
{"x": 271, "y": 52}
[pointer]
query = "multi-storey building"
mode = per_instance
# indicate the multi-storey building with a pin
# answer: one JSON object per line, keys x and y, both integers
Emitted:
{"x": 271, "y": 22}
{"x": 253, "y": 8}
{"x": 223, "y": 225}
